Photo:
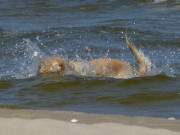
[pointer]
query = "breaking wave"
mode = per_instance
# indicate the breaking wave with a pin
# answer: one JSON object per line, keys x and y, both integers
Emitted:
{"x": 22, "y": 60}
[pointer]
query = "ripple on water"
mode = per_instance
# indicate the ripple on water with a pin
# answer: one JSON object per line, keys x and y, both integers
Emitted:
{"x": 6, "y": 85}
{"x": 149, "y": 98}
{"x": 157, "y": 79}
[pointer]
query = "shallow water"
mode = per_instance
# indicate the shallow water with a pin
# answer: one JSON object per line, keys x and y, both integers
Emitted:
{"x": 30, "y": 30}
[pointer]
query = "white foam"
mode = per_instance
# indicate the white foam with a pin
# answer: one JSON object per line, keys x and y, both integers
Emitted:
{"x": 159, "y": 1}
{"x": 74, "y": 120}
{"x": 171, "y": 118}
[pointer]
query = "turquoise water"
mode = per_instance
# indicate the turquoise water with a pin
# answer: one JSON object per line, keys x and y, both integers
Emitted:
{"x": 31, "y": 30}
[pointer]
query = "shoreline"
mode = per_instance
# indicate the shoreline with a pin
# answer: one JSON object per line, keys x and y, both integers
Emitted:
{"x": 90, "y": 121}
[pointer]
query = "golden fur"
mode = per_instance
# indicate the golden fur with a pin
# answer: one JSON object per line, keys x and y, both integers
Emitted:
{"x": 112, "y": 67}
{"x": 52, "y": 65}
{"x": 102, "y": 66}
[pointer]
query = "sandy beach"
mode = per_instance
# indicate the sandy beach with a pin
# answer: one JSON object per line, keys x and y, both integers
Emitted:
{"x": 37, "y": 122}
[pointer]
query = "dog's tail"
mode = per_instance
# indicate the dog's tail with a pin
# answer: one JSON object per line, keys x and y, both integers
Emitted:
{"x": 144, "y": 63}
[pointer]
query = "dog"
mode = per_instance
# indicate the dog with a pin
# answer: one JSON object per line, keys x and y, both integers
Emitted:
{"x": 101, "y": 67}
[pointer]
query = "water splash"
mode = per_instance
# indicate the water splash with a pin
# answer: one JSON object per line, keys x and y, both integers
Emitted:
{"x": 25, "y": 55}
{"x": 24, "y": 61}
{"x": 165, "y": 61}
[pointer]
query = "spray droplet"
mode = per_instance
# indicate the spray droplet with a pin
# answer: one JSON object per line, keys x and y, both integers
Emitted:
{"x": 35, "y": 54}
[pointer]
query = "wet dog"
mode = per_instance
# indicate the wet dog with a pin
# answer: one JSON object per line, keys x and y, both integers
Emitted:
{"x": 105, "y": 67}
{"x": 52, "y": 65}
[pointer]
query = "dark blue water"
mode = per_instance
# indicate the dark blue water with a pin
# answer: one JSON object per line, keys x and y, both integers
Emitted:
{"x": 31, "y": 30}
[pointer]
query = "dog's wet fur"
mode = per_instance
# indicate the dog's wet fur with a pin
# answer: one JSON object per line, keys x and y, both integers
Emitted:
{"x": 105, "y": 67}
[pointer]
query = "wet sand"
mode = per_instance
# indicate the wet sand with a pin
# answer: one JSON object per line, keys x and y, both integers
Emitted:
{"x": 32, "y": 122}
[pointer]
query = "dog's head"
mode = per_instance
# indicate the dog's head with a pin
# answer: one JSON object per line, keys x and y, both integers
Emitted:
{"x": 52, "y": 65}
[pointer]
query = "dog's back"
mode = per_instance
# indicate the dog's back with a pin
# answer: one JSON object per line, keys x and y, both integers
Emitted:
{"x": 112, "y": 67}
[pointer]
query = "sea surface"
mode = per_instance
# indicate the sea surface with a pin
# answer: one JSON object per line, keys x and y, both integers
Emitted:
{"x": 83, "y": 30}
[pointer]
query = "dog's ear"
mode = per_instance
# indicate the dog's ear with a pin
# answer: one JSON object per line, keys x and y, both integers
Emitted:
{"x": 62, "y": 66}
